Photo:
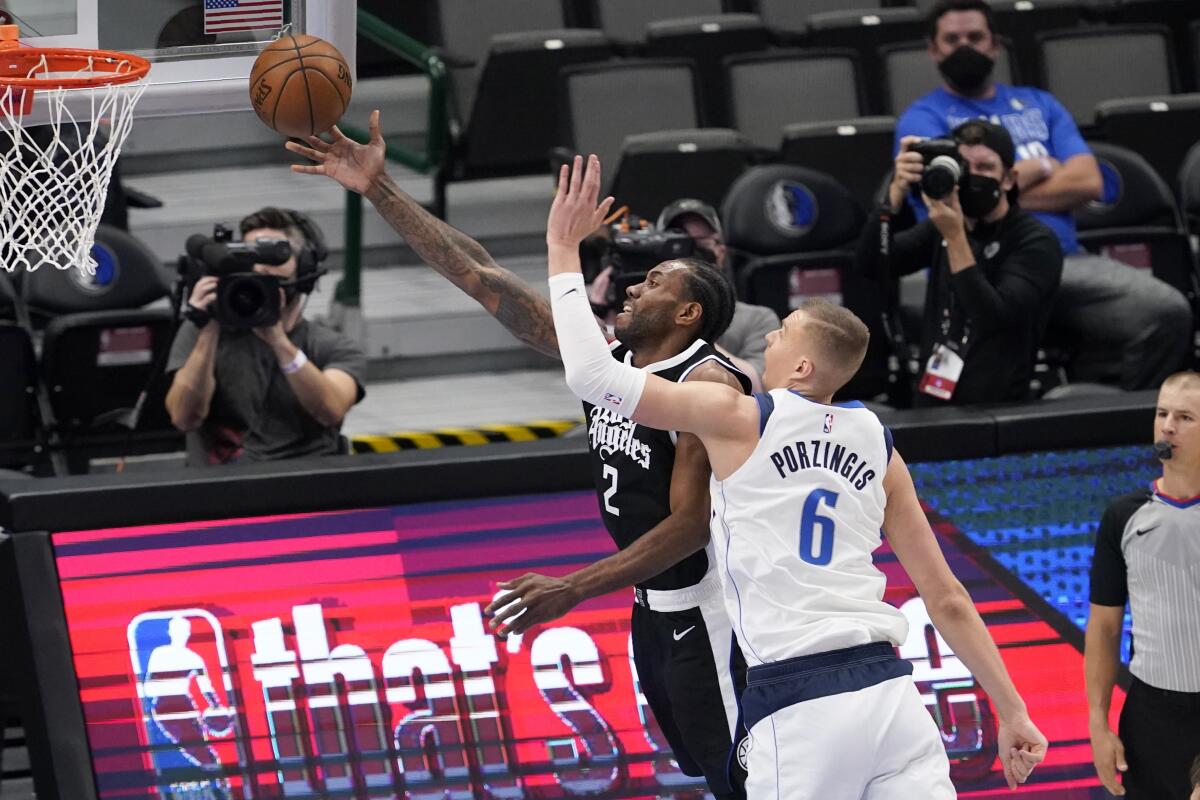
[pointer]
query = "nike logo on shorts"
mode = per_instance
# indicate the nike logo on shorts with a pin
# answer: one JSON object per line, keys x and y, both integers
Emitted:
{"x": 1144, "y": 531}
{"x": 679, "y": 635}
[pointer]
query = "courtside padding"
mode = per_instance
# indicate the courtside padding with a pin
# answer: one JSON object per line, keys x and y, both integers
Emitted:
{"x": 462, "y": 437}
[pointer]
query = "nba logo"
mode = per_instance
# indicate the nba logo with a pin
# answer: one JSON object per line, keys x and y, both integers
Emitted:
{"x": 828, "y": 426}
{"x": 186, "y": 696}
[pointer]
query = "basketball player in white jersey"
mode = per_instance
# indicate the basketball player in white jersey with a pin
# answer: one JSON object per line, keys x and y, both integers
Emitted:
{"x": 800, "y": 491}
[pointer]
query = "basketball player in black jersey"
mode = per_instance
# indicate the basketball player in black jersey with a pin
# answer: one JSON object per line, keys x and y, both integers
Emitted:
{"x": 652, "y": 486}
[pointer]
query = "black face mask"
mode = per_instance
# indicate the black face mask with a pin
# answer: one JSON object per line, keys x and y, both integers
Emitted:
{"x": 966, "y": 70}
{"x": 978, "y": 195}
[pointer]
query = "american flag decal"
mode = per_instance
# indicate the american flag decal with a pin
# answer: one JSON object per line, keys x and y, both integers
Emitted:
{"x": 223, "y": 16}
{"x": 828, "y": 426}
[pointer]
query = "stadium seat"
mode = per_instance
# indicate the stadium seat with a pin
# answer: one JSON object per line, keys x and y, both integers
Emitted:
{"x": 788, "y": 19}
{"x": 20, "y": 438}
{"x": 1176, "y": 15}
{"x": 857, "y": 152}
{"x": 1083, "y": 67}
{"x": 771, "y": 90}
{"x": 803, "y": 246}
{"x": 604, "y": 103}
{"x": 101, "y": 349}
{"x": 625, "y": 21}
{"x": 909, "y": 73}
{"x": 708, "y": 41}
{"x": 1137, "y": 221}
{"x": 1189, "y": 188}
{"x": 512, "y": 131}
{"x": 657, "y": 168}
{"x": 465, "y": 29}
{"x": 866, "y": 32}
{"x": 492, "y": 48}
{"x": 1160, "y": 129}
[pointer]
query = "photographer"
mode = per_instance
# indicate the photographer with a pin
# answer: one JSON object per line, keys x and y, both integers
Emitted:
{"x": 994, "y": 267}
{"x": 746, "y": 338}
{"x": 1123, "y": 319}
{"x": 274, "y": 391}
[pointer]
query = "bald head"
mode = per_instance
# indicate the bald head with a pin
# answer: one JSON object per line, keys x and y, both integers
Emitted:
{"x": 1188, "y": 381}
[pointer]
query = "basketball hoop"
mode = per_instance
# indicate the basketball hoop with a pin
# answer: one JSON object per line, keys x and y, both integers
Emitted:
{"x": 54, "y": 179}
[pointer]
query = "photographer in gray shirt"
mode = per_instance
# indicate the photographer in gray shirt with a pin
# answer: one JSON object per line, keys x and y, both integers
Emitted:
{"x": 263, "y": 389}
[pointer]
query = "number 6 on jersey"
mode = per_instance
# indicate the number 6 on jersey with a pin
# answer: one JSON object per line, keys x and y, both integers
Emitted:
{"x": 816, "y": 525}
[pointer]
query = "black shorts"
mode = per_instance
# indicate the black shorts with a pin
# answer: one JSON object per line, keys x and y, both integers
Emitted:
{"x": 1161, "y": 733}
{"x": 692, "y": 672}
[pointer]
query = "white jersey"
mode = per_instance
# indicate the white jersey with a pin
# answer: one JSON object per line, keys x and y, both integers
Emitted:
{"x": 794, "y": 527}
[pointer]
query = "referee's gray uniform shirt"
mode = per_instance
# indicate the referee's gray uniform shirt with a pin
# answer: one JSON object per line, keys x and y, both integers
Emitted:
{"x": 1148, "y": 552}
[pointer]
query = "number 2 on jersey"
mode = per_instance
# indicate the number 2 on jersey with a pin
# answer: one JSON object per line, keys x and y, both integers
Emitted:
{"x": 610, "y": 473}
{"x": 816, "y": 528}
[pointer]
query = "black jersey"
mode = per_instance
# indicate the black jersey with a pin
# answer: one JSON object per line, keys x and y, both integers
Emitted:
{"x": 632, "y": 465}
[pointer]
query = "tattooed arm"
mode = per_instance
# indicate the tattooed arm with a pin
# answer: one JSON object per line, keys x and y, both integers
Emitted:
{"x": 462, "y": 260}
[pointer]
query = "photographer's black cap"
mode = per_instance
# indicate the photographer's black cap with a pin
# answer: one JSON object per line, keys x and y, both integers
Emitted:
{"x": 681, "y": 208}
{"x": 991, "y": 136}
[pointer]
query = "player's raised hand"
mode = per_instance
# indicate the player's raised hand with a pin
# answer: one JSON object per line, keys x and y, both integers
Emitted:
{"x": 351, "y": 164}
{"x": 530, "y": 600}
{"x": 575, "y": 214}
{"x": 1021, "y": 747}
{"x": 1108, "y": 755}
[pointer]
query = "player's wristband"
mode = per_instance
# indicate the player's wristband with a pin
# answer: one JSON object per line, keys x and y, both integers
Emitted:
{"x": 296, "y": 364}
{"x": 197, "y": 316}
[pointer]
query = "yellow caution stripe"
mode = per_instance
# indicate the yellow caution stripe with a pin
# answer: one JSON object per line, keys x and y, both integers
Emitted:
{"x": 460, "y": 437}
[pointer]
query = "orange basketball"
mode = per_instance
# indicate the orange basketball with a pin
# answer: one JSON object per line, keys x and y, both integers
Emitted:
{"x": 300, "y": 85}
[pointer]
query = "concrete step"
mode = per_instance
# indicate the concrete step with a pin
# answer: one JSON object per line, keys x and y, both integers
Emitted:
{"x": 202, "y": 142}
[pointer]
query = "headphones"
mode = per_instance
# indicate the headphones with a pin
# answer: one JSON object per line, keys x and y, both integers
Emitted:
{"x": 312, "y": 255}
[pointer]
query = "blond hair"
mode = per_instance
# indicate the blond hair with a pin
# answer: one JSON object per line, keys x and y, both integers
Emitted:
{"x": 840, "y": 334}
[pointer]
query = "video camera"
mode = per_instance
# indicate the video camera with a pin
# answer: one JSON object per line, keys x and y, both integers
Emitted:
{"x": 245, "y": 299}
{"x": 632, "y": 248}
{"x": 944, "y": 167}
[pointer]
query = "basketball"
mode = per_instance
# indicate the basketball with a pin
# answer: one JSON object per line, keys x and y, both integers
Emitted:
{"x": 300, "y": 85}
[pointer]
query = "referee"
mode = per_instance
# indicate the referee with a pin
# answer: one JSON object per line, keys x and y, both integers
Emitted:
{"x": 1148, "y": 553}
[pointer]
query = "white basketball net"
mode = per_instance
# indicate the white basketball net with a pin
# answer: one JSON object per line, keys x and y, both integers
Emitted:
{"x": 54, "y": 177}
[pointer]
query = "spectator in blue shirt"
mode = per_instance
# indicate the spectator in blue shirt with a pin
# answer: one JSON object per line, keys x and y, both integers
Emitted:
{"x": 1109, "y": 306}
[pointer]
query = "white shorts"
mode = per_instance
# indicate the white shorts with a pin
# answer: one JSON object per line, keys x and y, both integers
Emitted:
{"x": 842, "y": 725}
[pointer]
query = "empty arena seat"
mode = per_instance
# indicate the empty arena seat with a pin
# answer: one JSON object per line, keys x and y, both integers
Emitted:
{"x": 625, "y": 21}
{"x": 1160, "y": 129}
{"x": 604, "y": 103}
{"x": 1084, "y": 67}
{"x": 1137, "y": 220}
{"x": 909, "y": 73}
{"x": 708, "y": 41}
{"x": 511, "y": 127}
{"x": 1189, "y": 188}
{"x": 788, "y": 19}
{"x": 657, "y": 168}
{"x": 866, "y": 31}
{"x": 771, "y": 90}
{"x": 803, "y": 246}
{"x": 857, "y": 152}
{"x": 20, "y": 439}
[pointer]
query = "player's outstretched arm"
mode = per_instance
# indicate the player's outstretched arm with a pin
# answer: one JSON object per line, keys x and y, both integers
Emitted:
{"x": 1021, "y": 745}
{"x": 706, "y": 409}
{"x": 454, "y": 255}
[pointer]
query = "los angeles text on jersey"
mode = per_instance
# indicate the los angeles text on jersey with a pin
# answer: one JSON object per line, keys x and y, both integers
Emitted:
{"x": 610, "y": 433}
{"x": 792, "y": 458}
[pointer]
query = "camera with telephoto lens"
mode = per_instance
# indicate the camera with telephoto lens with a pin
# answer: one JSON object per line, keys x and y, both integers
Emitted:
{"x": 633, "y": 247}
{"x": 944, "y": 167}
{"x": 245, "y": 299}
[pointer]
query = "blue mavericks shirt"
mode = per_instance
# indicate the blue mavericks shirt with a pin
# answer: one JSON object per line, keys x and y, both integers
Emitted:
{"x": 1038, "y": 124}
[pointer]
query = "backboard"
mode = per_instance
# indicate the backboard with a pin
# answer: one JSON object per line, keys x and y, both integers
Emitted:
{"x": 201, "y": 51}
